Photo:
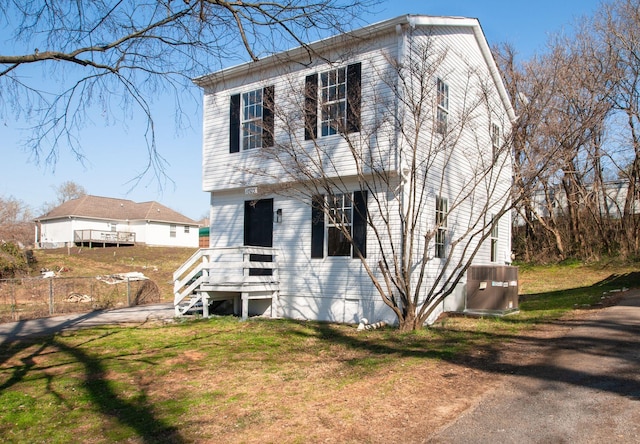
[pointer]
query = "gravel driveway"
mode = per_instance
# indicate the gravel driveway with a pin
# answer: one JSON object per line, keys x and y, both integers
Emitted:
{"x": 582, "y": 387}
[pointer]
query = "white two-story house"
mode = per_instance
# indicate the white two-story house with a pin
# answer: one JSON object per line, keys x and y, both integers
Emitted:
{"x": 386, "y": 145}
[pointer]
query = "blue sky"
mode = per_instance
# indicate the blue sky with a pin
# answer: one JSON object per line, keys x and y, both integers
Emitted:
{"x": 116, "y": 154}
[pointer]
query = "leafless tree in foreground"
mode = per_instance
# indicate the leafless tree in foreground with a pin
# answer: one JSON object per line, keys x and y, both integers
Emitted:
{"x": 432, "y": 211}
{"x": 109, "y": 59}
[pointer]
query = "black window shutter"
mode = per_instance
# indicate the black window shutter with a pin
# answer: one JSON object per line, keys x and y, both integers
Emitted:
{"x": 354, "y": 97}
{"x": 267, "y": 116}
{"x": 360, "y": 223}
{"x": 234, "y": 124}
{"x": 317, "y": 227}
{"x": 311, "y": 107}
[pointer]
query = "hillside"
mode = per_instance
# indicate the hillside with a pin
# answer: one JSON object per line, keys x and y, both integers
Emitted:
{"x": 157, "y": 263}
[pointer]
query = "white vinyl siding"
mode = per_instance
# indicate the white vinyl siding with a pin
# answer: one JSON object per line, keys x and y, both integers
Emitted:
{"x": 333, "y": 288}
{"x": 222, "y": 170}
{"x": 149, "y": 233}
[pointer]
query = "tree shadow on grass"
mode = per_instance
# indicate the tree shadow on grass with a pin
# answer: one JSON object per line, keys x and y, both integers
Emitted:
{"x": 137, "y": 415}
{"x": 604, "y": 349}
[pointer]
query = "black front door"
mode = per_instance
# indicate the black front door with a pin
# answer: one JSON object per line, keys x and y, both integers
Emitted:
{"x": 258, "y": 231}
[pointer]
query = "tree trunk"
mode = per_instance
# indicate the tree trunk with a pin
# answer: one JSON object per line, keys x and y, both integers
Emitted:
{"x": 408, "y": 322}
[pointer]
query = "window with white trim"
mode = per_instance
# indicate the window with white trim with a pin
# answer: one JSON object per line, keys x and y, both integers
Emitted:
{"x": 495, "y": 139}
{"x": 186, "y": 229}
{"x": 442, "y": 109}
{"x": 442, "y": 208}
{"x": 333, "y": 93}
{"x": 252, "y": 119}
{"x": 332, "y": 101}
{"x": 340, "y": 216}
{"x": 494, "y": 239}
{"x": 333, "y": 215}
{"x": 172, "y": 231}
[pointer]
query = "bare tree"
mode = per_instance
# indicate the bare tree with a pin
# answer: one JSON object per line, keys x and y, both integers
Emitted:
{"x": 577, "y": 105}
{"x": 437, "y": 183}
{"x": 618, "y": 27}
{"x": 16, "y": 223}
{"x": 69, "y": 190}
{"x": 109, "y": 59}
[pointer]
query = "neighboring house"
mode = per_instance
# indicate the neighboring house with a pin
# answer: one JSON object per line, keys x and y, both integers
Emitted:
{"x": 610, "y": 198}
{"x": 307, "y": 272}
{"x": 102, "y": 221}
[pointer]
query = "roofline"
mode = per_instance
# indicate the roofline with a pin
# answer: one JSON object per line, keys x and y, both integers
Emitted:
{"x": 332, "y": 41}
{"x": 368, "y": 32}
{"x": 144, "y": 219}
{"x": 474, "y": 24}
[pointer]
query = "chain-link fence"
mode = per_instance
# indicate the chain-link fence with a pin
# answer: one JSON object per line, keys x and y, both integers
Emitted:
{"x": 31, "y": 298}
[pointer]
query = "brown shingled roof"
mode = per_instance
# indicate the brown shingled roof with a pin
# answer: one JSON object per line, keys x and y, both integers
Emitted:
{"x": 108, "y": 208}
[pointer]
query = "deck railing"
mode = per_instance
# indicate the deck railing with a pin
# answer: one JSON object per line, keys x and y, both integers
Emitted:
{"x": 103, "y": 237}
{"x": 237, "y": 269}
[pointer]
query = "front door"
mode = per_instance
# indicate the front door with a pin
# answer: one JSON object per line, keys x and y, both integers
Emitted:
{"x": 258, "y": 231}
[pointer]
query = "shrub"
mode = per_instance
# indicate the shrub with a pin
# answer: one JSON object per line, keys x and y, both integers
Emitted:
{"x": 12, "y": 260}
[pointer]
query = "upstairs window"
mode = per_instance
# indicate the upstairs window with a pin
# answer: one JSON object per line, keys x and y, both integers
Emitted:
{"x": 333, "y": 90}
{"x": 251, "y": 120}
{"x": 495, "y": 139}
{"x": 442, "y": 109}
{"x": 442, "y": 209}
{"x": 338, "y": 93}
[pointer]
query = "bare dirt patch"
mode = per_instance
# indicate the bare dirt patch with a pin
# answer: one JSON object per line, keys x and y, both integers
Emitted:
{"x": 322, "y": 399}
{"x": 404, "y": 403}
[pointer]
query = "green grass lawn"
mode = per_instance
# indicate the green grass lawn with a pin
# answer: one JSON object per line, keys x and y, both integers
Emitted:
{"x": 221, "y": 380}
{"x": 550, "y": 291}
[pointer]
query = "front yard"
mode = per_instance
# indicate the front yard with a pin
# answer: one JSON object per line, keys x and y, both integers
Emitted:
{"x": 221, "y": 380}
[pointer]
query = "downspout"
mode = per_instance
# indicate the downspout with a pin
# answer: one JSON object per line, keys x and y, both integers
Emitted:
{"x": 400, "y": 115}
{"x": 71, "y": 225}
{"x": 398, "y": 133}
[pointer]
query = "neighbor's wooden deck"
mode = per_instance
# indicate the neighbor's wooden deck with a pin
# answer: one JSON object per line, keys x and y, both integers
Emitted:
{"x": 92, "y": 238}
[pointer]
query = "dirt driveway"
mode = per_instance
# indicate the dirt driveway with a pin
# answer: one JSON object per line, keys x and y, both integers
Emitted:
{"x": 580, "y": 385}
